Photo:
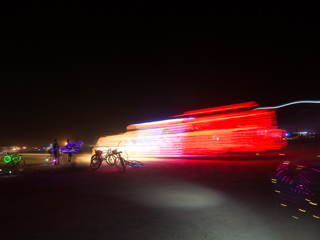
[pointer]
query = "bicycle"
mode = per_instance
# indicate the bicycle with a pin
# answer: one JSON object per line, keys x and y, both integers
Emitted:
{"x": 112, "y": 157}
{"x": 134, "y": 163}
{"x": 96, "y": 160}
{"x": 51, "y": 159}
{"x": 13, "y": 161}
{"x": 119, "y": 161}
{"x": 131, "y": 163}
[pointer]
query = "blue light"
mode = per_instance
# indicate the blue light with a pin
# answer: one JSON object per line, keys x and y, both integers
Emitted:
{"x": 72, "y": 147}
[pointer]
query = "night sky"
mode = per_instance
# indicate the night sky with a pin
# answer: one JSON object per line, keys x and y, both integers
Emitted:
{"x": 85, "y": 69}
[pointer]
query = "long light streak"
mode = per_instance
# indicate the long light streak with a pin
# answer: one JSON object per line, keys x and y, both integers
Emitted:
{"x": 287, "y": 104}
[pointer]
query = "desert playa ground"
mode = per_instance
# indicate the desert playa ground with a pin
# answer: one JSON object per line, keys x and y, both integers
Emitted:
{"x": 219, "y": 198}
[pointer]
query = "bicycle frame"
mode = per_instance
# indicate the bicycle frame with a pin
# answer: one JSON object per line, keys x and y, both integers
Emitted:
{"x": 96, "y": 159}
{"x": 12, "y": 157}
{"x": 121, "y": 159}
{"x": 15, "y": 161}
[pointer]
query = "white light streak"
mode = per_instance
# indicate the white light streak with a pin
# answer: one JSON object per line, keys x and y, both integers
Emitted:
{"x": 287, "y": 104}
{"x": 160, "y": 122}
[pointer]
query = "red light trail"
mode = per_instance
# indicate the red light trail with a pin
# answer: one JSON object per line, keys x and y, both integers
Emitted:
{"x": 232, "y": 128}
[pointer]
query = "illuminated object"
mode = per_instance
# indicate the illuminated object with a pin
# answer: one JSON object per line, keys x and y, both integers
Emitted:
{"x": 297, "y": 186}
{"x": 7, "y": 159}
{"x": 288, "y": 104}
{"x": 72, "y": 147}
{"x": 232, "y": 128}
{"x": 12, "y": 157}
{"x": 293, "y": 177}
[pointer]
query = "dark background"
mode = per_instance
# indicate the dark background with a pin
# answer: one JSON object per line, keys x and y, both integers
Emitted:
{"x": 80, "y": 69}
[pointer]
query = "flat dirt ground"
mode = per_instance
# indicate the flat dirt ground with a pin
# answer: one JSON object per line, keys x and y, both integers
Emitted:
{"x": 228, "y": 198}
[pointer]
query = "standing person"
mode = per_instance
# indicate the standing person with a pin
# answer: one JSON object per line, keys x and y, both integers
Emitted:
{"x": 69, "y": 149}
{"x": 55, "y": 149}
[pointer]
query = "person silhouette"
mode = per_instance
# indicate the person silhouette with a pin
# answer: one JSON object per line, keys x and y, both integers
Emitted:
{"x": 55, "y": 150}
{"x": 69, "y": 150}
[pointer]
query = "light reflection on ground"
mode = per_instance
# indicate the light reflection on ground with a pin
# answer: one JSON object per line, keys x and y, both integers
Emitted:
{"x": 178, "y": 195}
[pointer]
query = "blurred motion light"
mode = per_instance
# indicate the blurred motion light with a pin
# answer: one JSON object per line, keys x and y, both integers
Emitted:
{"x": 232, "y": 128}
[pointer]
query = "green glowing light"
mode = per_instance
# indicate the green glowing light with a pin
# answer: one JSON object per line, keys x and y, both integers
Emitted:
{"x": 16, "y": 157}
{"x": 7, "y": 159}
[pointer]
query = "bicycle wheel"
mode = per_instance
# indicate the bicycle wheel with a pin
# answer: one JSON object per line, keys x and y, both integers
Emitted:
{"x": 95, "y": 162}
{"x": 20, "y": 165}
{"x": 110, "y": 160}
{"x": 8, "y": 168}
{"x": 119, "y": 162}
{"x": 49, "y": 159}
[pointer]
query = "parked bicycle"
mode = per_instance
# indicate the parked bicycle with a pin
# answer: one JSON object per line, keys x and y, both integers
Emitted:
{"x": 96, "y": 160}
{"x": 133, "y": 163}
{"x": 112, "y": 157}
{"x": 13, "y": 162}
{"x": 119, "y": 161}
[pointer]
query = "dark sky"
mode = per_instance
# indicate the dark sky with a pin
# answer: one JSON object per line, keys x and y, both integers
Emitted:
{"x": 81, "y": 70}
